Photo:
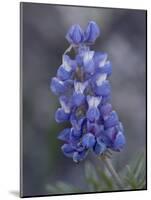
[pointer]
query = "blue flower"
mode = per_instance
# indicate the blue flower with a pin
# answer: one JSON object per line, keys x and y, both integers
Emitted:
{"x": 79, "y": 156}
{"x": 78, "y": 97}
{"x": 93, "y": 112}
{"x": 112, "y": 120}
{"x": 80, "y": 54}
{"x": 75, "y": 35}
{"x": 68, "y": 150}
{"x": 105, "y": 110}
{"x": 99, "y": 147}
{"x": 92, "y": 32}
{"x": 88, "y": 140}
{"x": 108, "y": 136}
{"x": 107, "y": 68}
{"x": 88, "y": 62}
{"x": 65, "y": 135}
{"x": 94, "y": 128}
{"x": 100, "y": 59}
{"x": 77, "y": 125}
{"x": 104, "y": 89}
{"x": 57, "y": 86}
{"x": 63, "y": 113}
{"x": 101, "y": 86}
{"x": 119, "y": 141}
{"x": 84, "y": 93}
{"x": 65, "y": 71}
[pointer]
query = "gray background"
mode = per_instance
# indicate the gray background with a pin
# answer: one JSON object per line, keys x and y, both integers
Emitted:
{"x": 123, "y": 37}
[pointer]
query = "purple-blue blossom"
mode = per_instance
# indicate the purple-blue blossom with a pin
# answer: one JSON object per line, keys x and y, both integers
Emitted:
{"x": 92, "y": 32}
{"x": 84, "y": 92}
{"x": 75, "y": 35}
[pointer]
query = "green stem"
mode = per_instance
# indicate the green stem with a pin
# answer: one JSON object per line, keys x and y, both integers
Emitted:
{"x": 111, "y": 169}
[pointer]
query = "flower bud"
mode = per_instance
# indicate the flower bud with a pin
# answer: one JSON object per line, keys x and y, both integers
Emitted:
{"x": 75, "y": 35}
{"x": 92, "y": 32}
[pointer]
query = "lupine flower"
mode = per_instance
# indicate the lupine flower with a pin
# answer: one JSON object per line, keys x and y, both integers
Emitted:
{"x": 78, "y": 95}
{"x": 57, "y": 86}
{"x": 88, "y": 62}
{"x": 92, "y": 32}
{"x": 84, "y": 93}
{"x": 65, "y": 71}
{"x": 93, "y": 113}
{"x": 75, "y": 35}
{"x": 63, "y": 113}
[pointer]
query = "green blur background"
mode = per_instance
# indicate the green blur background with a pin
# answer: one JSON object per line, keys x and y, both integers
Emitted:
{"x": 123, "y": 37}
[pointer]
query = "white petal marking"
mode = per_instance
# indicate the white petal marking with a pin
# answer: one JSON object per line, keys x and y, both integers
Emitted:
{"x": 94, "y": 101}
{"x": 66, "y": 64}
{"x": 80, "y": 87}
{"x": 59, "y": 81}
{"x": 64, "y": 106}
{"x": 88, "y": 55}
{"x": 103, "y": 62}
{"x": 100, "y": 79}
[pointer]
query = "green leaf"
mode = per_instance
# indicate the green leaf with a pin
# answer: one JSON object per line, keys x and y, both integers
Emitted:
{"x": 91, "y": 177}
{"x": 62, "y": 187}
{"x": 96, "y": 178}
{"x": 107, "y": 181}
{"x": 135, "y": 175}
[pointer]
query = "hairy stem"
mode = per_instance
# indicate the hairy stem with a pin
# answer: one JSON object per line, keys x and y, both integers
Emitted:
{"x": 112, "y": 171}
{"x": 68, "y": 49}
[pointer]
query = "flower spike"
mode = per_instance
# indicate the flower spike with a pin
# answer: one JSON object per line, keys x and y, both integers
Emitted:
{"x": 84, "y": 93}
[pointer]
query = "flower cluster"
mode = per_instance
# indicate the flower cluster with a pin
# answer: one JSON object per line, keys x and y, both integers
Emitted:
{"x": 84, "y": 94}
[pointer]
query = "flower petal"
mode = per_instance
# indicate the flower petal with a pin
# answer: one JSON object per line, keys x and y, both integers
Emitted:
{"x": 93, "y": 101}
{"x": 107, "y": 69}
{"x": 100, "y": 79}
{"x": 88, "y": 63}
{"x": 92, "y": 32}
{"x": 76, "y": 133}
{"x": 112, "y": 120}
{"x": 119, "y": 141}
{"x": 61, "y": 116}
{"x": 108, "y": 136}
{"x": 57, "y": 86}
{"x": 62, "y": 74}
{"x": 77, "y": 123}
{"x": 88, "y": 140}
{"x": 99, "y": 147}
{"x": 80, "y": 86}
{"x": 100, "y": 59}
{"x": 105, "y": 110}
{"x": 65, "y": 135}
{"x": 79, "y": 156}
{"x": 93, "y": 114}
{"x": 103, "y": 90}
{"x": 65, "y": 103}
{"x": 77, "y": 99}
{"x": 94, "y": 128}
{"x": 75, "y": 34}
{"x": 68, "y": 150}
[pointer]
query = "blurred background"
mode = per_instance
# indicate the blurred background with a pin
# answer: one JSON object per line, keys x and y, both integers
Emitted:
{"x": 123, "y": 37}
